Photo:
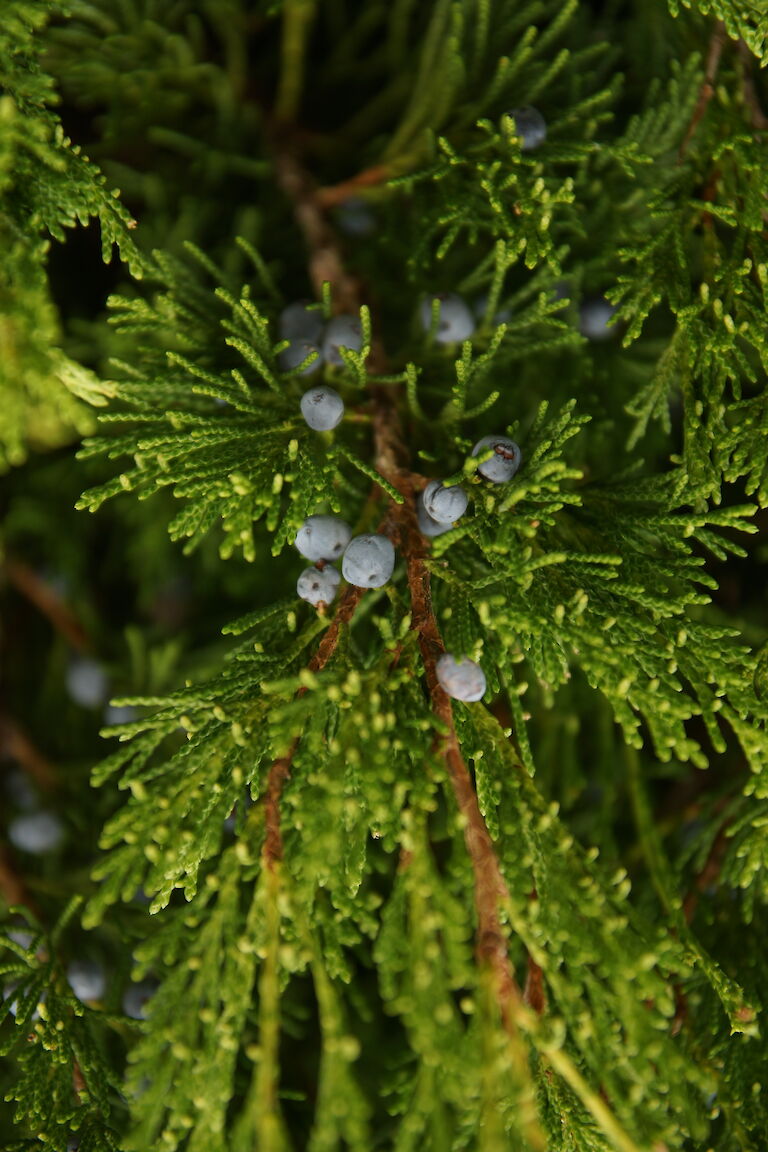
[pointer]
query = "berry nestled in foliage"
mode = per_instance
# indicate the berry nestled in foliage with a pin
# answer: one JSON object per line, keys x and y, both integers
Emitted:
{"x": 369, "y": 561}
{"x": 445, "y": 505}
{"x": 455, "y": 320}
{"x": 318, "y": 585}
{"x": 342, "y": 332}
{"x": 504, "y": 462}
{"x": 323, "y": 537}
{"x": 462, "y": 679}
{"x": 322, "y": 408}
{"x": 530, "y": 127}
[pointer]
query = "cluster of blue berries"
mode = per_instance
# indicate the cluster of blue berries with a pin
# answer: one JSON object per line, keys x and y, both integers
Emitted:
{"x": 440, "y": 506}
{"x": 313, "y": 340}
{"x": 367, "y": 561}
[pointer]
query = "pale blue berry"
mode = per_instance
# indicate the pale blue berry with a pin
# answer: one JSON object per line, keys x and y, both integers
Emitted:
{"x": 445, "y": 505}
{"x": 36, "y": 832}
{"x": 505, "y": 461}
{"x": 369, "y": 561}
{"x": 342, "y": 332}
{"x": 299, "y": 322}
{"x": 137, "y": 996}
{"x": 427, "y": 526}
{"x": 323, "y": 538}
{"x": 87, "y": 979}
{"x": 462, "y": 679}
{"x": 86, "y": 682}
{"x": 530, "y": 126}
{"x": 296, "y": 353}
{"x": 595, "y": 317}
{"x": 322, "y": 408}
{"x": 318, "y": 587}
{"x": 455, "y": 320}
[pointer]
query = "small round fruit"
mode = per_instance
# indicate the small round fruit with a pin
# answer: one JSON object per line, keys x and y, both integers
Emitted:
{"x": 445, "y": 505}
{"x": 455, "y": 320}
{"x": 36, "y": 832}
{"x": 322, "y": 408}
{"x": 298, "y": 322}
{"x": 369, "y": 561}
{"x": 530, "y": 126}
{"x": 505, "y": 461}
{"x": 318, "y": 587}
{"x": 323, "y": 537}
{"x": 87, "y": 979}
{"x": 595, "y": 319}
{"x": 86, "y": 681}
{"x": 462, "y": 679}
{"x": 296, "y": 353}
{"x": 137, "y": 996}
{"x": 342, "y": 332}
{"x": 427, "y": 526}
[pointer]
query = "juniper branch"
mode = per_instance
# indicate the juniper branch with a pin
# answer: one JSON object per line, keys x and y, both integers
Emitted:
{"x": 391, "y": 461}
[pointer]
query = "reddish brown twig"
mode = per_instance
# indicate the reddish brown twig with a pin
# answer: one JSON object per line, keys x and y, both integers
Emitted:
{"x": 335, "y": 194}
{"x": 47, "y": 601}
{"x": 16, "y": 745}
{"x": 707, "y": 90}
{"x": 12, "y": 885}
{"x": 280, "y": 769}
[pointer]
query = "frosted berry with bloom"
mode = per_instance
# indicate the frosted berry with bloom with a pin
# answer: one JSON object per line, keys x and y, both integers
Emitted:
{"x": 299, "y": 322}
{"x": 342, "y": 332}
{"x": 427, "y": 526}
{"x": 595, "y": 319}
{"x": 318, "y": 586}
{"x": 443, "y": 504}
{"x": 322, "y": 408}
{"x": 455, "y": 320}
{"x": 137, "y": 996}
{"x": 462, "y": 679}
{"x": 36, "y": 832}
{"x": 530, "y": 126}
{"x": 505, "y": 461}
{"x": 87, "y": 979}
{"x": 296, "y": 353}
{"x": 323, "y": 537}
{"x": 86, "y": 682}
{"x": 369, "y": 561}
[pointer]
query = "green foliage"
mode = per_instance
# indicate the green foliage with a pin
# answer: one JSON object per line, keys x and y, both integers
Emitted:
{"x": 46, "y": 187}
{"x": 742, "y": 18}
{"x": 64, "y": 1083}
{"x": 291, "y": 802}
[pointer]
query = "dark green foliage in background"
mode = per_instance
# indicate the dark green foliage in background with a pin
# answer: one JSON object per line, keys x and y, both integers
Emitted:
{"x": 612, "y": 591}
